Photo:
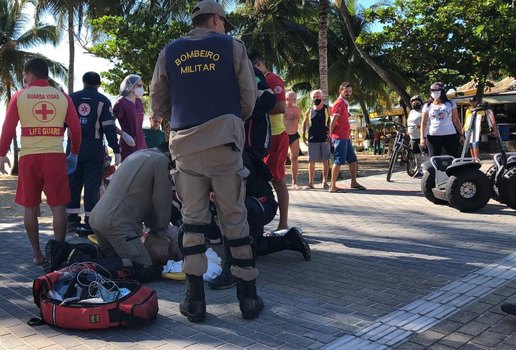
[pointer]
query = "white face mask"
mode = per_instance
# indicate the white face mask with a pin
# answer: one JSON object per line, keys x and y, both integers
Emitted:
{"x": 435, "y": 94}
{"x": 139, "y": 92}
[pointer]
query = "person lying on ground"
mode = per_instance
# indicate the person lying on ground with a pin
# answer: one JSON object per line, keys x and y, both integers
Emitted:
{"x": 261, "y": 210}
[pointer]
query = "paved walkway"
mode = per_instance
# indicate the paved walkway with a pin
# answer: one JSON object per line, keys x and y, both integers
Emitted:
{"x": 389, "y": 270}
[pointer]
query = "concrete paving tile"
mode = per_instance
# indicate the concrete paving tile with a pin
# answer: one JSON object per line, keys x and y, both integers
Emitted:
{"x": 505, "y": 326}
{"x": 490, "y": 318}
{"x": 410, "y": 346}
{"x": 455, "y": 340}
{"x": 440, "y": 347}
{"x": 489, "y": 339}
{"x": 504, "y": 346}
{"x": 464, "y": 316}
{"x": 471, "y": 346}
{"x": 446, "y": 327}
{"x": 10, "y": 341}
{"x": 427, "y": 338}
{"x": 511, "y": 340}
{"x": 473, "y": 328}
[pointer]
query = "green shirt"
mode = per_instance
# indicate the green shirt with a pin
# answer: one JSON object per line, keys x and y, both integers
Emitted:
{"x": 154, "y": 137}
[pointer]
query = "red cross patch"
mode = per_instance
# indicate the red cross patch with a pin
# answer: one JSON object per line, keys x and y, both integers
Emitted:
{"x": 44, "y": 111}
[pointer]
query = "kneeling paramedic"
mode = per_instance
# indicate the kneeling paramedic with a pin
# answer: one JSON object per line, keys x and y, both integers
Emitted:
{"x": 140, "y": 192}
{"x": 205, "y": 84}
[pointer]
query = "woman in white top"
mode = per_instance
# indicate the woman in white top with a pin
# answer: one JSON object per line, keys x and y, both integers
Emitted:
{"x": 441, "y": 121}
{"x": 414, "y": 123}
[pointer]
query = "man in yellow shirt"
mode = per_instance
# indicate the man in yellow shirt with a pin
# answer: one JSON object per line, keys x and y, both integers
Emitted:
{"x": 480, "y": 126}
{"x": 278, "y": 151}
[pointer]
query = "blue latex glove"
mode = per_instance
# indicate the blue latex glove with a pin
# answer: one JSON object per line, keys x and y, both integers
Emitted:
{"x": 71, "y": 163}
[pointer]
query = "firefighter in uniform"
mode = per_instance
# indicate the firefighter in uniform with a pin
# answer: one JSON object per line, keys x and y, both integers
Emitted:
{"x": 42, "y": 111}
{"x": 96, "y": 119}
{"x": 206, "y": 141}
{"x": 140, "y": 191}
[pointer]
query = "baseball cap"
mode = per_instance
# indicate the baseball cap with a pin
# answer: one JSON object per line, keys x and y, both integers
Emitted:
{"x": 472, "y": 99}
{"x": 211, "y": 7}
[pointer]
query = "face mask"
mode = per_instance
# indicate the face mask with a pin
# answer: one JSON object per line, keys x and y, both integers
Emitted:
{"x": 25, "y": 82}
{"x": 435, "y": 94}
{"x": 416, "y": 106}
{"x": 139, "y": 92}
{"x": 317, "y": 101}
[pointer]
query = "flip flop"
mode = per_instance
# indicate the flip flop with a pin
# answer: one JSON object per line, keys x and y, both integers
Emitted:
{"x": 338, "y": 190}
{"x": 359, "y": 187}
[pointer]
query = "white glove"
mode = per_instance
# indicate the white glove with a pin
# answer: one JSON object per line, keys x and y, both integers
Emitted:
{"x": 118, "y": 158}
{"x": 128, "y": 139}
{"x": 3, "y": 161}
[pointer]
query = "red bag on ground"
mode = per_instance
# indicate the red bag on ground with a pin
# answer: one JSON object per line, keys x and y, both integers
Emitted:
{"x": 136, "y": 308}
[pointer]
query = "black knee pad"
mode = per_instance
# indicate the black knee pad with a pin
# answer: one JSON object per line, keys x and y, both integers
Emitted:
{"x": 240, "y": 242}
{"x": 196, "y": 249}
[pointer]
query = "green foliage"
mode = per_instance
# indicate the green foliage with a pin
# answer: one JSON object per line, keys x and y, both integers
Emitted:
{"x": 18, "y": 32}
{"x": 451, "y": 41}
{"x": 132, "y": 43}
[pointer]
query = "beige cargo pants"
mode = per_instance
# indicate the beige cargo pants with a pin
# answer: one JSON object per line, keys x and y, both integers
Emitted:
{"x": 219, "y": 169}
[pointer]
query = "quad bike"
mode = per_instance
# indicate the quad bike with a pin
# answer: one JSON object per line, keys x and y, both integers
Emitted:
{"x": 460, "y": 182}
{"x": 502, "y": 176}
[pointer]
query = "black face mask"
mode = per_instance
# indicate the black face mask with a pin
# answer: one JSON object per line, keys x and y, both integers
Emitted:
{"x": 317, "y": 101}
{"x": 416, "y": 106}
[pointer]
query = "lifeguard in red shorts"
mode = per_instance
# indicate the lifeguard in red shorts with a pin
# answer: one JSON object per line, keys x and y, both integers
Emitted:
{"x": 42, "y": 111}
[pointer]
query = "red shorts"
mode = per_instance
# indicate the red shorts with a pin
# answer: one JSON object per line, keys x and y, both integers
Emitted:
{"x": 277, "y": 155}
{"x": 43, "y": 172}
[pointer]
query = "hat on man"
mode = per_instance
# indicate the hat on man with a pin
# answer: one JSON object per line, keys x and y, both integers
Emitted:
{"x": 472, "y": 99}
{"x": 204, "y": 7}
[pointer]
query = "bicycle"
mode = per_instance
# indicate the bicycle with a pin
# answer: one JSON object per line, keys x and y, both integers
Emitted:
{"x": 402, "y": 151}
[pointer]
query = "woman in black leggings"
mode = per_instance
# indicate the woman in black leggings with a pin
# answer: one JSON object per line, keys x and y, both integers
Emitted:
{"x": 441, "y": 120}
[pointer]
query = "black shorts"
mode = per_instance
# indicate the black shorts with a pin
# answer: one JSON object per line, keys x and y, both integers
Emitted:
{"x": 414, "y": 146}
{"x": 293, "y": 137}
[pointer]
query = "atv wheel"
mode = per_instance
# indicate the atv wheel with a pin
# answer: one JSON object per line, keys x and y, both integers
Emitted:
{"x": 491, "y": 175}
{"x": 507, "y": 188}
{"x": 468, "y": 190}
{"x": 427, "y": 183}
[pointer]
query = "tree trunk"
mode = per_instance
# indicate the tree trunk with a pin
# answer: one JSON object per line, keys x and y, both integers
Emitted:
{"x": 71, "y": 48}
{"x": 323, "y": 49}
{"x": 379, "y": 70}
{"x": 365, "y": 112}
{"x": 14, "y": 169}
{"x": 480, "y": 88}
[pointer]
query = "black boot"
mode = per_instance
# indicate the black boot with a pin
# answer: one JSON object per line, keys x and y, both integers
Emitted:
{"x": 73, "y": 221}
{"x": 509, "y": 308}
{"x": 296, "y": 241}
{"x": 250, "y": 303}
{"x": 84, "y": 230}
{"x": 223, "y": 281}
{"x": 194, "y": 305}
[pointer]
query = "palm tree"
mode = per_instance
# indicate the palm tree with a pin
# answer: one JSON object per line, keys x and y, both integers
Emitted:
{"x": 15, "y": 37}
{"x": 393, "y": 84}
{"x": 323, "y": 48}
{"x": 76, "y": 11}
